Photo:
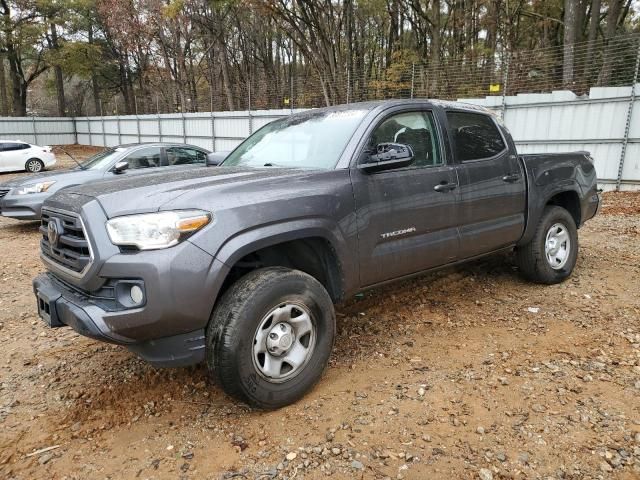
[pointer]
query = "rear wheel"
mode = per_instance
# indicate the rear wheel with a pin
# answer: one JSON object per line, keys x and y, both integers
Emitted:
{"x": 34, "y": 165}
{"x": 270, "y": 337}
{"x": 551, "y": 255}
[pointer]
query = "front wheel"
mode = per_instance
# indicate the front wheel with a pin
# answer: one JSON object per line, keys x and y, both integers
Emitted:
{"x": 551, "y": 255}
{"x": 34, "y": 165}
{"x": 270, "y": 337}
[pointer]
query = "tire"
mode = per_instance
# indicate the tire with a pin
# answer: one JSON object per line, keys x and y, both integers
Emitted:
{"x": 540, "y": 264}
{"x": 34, "y": 165}
{"x": 242, "y": 328}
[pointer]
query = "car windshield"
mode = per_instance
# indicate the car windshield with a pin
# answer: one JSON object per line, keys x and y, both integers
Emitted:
{"x": 101, "y": 160}
{"x": 314, "y": 139}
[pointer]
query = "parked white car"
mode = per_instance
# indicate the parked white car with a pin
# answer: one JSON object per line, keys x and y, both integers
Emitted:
{"x": 16, "y": 155}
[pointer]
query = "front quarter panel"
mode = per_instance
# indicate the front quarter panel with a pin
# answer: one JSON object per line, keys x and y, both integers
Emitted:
{"x": 250, "y": 217}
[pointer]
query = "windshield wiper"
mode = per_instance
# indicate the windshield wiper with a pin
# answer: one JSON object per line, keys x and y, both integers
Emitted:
{"x": 73, "y": 158}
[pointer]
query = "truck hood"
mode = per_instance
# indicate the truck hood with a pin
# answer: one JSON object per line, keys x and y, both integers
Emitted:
{"x": 154, "y": 191}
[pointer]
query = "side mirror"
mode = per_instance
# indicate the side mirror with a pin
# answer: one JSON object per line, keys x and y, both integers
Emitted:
{"x": 216, "y": 158}
{"x": 387, "y": 156}
{"x": 120, "y": 167}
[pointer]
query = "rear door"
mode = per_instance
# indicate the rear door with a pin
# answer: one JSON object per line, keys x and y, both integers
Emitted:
{"x": 492, "y": 186}
{"x": 406, "y": 217}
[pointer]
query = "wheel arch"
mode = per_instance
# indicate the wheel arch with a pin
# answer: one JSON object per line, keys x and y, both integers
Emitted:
{"x": 314, "y": 246}
{"x": 566, "y": 196}
{"x": 314, "y": 255}
{"x": 570, "y": 201}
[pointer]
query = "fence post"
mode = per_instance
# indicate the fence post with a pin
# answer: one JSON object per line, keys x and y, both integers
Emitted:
{"x": 135, "y": 100}
{"x": 104, "y": 134}
{"x": 413, "y": 76}
{"x": 118, "y": 123}
{"x": 159, "y": 120}
{"x": 505, "y": 83}
{"x": 627, "y": 126}
{"x": 291, "y": 91}
{"x": 348, "y": 85}
{"x": 213, "y": 120}
{"x": 35, "y": 133}
{"x": 249, "y": 111}
{"x": 89, "y": 128}
{"x": 75, "y": 130}
{"x": 184, "y": 127}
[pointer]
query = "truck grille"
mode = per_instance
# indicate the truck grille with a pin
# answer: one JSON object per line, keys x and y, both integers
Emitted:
{"x": 3, "y": 192}
{"x": 64, "y": 242}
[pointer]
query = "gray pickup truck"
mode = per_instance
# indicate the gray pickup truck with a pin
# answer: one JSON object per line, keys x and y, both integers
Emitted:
{"x": 240, "y": 265}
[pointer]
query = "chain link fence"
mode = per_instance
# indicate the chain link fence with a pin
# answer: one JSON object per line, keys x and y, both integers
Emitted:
{"x": 576, "y": 68}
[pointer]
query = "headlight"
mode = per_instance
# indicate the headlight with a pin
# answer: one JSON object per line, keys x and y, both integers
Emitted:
{"x": 151, "y": 231}
{"x": 34, "y": 188}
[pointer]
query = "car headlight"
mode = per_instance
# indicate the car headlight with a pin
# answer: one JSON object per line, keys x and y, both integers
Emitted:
{"x": 152, "y": 231}
{"x": 34, "y": 188}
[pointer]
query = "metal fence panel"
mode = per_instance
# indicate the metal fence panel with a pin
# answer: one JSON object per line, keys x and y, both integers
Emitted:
{"x": 40, "y": 131}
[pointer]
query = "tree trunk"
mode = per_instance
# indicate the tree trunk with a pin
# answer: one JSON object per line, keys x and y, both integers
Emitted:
{"x": 62, "y": 107}
{"x": 224, "y": 64}
{"x": 18, "y": 87}
{"x": 434, "y": 67}
{"x": 615, "y": 7}
{"x": 4, "y": 101}
{"x": 570, "y": 29}
{"x": 594, "y": 22}
{"x": 94, "y": 81}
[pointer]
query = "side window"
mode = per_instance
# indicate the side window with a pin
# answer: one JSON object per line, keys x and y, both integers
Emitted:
{"x": 416, "y": 129}
{"x": 10, "y": 147}
{"x": 185, "y": 156}
{"x": 145, "y": 158}
{"x": 475, "y": 136}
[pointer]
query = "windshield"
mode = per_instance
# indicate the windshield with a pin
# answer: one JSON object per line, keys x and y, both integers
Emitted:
{"x": 102, "y": 159}
{"x": 314, "y": 139}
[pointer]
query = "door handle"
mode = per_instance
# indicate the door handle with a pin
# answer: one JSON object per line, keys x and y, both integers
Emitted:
{"x": 511, "y": 178}
{"x": 445, "y": 187}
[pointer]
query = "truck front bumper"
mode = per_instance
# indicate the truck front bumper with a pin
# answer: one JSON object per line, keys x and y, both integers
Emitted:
{"x": 59, "y": 305}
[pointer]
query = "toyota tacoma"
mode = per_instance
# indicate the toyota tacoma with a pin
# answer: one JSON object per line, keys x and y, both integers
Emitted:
{"x": 240, "y": 266}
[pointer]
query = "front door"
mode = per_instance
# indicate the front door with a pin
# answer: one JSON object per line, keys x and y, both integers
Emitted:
{"x": 492, "y": 185}
{"x": 407, "y": 218}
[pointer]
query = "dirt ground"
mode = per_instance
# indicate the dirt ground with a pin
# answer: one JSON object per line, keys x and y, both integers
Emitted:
{"x": 466, "y": 373}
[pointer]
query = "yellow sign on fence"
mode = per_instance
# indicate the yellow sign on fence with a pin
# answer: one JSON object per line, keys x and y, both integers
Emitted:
{"x": 494, "y": 88}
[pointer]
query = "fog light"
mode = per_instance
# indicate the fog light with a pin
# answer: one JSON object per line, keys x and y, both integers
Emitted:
{"x": 136, "y": 294}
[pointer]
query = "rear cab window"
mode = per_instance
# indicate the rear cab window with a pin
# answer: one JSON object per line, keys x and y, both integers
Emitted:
{"x": 475, "y": 136}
